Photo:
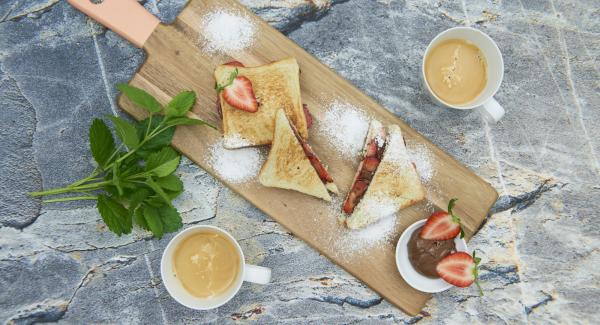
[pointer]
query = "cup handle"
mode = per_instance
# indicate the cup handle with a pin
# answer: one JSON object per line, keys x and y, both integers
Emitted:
{"x": 257, "y": 274}
{"x": 491, "y": 110}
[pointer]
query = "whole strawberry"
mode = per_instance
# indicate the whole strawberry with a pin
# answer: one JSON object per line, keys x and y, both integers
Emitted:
{"x": 460, "y": 269}
{"x": 443, "y": 225}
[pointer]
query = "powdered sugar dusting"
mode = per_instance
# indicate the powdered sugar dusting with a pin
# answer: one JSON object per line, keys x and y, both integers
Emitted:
{"x": 345, "y": 126}
{"x": 235, "y": 141}
{"x": 236, "y": 166}
{"x": 379, "y": 206}
{"x": 227, "y": 31}
{"x": 422, "y": 157}
{"x": 361, "y": 241}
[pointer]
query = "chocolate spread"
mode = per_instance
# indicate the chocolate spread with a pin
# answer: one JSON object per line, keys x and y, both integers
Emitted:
{"x": 425, "y": 254}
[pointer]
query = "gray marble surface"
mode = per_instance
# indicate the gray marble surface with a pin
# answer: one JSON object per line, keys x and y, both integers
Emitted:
{"x": 540, "y": 247}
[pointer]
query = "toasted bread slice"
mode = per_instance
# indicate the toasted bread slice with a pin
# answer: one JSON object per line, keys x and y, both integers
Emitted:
{"x": 395, "y": 184}
{"x": 287, "y": 165}
{"x": 275, "y": 85}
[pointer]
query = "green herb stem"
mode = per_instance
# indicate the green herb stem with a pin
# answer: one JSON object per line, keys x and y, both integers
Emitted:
{"x": 68, "y": 189}
{"x": 75, "y": 198}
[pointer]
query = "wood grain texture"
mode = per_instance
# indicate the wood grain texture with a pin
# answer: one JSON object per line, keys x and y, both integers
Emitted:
{"x": 176, "y": 62}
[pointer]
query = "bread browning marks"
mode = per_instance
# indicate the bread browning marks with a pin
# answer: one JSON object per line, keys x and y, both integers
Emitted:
{"x": 276, "y": 85}
{"x": 287, "y": 165}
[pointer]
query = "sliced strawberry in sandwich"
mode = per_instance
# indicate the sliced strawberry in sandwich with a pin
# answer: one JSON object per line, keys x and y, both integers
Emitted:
{"x": 460, "y": 269}
{"x": 373, "y": 152}
{"x": 238, "y": 92}
{"x": 442, "y": 225}
{"x": 370, "y": 164}
{"x": 240, "y": 95}
{"x": 315, "y": 162}
{"x": 308, "y": 116}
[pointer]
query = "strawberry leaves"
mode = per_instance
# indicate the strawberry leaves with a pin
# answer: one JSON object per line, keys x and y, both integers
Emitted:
{"x": 219, "y": 88}
{"x": 455, "y": 218}
{"x": 475, "y": 272}
{"x": 134, "y": 182}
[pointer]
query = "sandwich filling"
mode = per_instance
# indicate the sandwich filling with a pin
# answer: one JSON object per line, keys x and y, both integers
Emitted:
{"x": 315, "y": 161}
{"x": 373, "y": 153}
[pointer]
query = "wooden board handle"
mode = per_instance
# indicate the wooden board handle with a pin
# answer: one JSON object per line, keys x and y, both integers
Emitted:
{"x": 125, "y": 17}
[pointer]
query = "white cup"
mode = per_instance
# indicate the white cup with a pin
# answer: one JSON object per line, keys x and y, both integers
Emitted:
{"x": 408, "y": 272}
{"x": 249, "y": 273}
{"x": 485, "y": 102}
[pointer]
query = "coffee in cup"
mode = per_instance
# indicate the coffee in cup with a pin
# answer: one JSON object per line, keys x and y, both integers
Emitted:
{"x": 206, "y": 263}
{"x": 462, "y": 68}
{"x": 203, "y": 267}
{"x": 456, "y": 71}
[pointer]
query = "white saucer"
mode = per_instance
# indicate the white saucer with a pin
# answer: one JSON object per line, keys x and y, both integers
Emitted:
{"x": 410, "y": 275}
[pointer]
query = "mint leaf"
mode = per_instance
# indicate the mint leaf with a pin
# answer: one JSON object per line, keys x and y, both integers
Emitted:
{"x": 140, "y": 98}
{"x": 170, "y": 218}
{"x": 136, "y": 184}
{"x": 126, "y": 132}
{"x": 102, "y": 143}
{"x": 157, "y": 142}
{"x": 136, "y": 198}
{"x": 163, "y": 163}
{"x": 159, "y": 191}
{"x": 153, "y": 221}
{"x": 170, "y": 183}
{"x": 140, "y": 220}
{"x": 180, "y": 104}
{"x": 188, "y": 121}
{"x": 115, "y": 216}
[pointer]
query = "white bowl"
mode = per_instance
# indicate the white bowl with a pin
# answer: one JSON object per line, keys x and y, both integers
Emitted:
{"x": 408, "y": 272}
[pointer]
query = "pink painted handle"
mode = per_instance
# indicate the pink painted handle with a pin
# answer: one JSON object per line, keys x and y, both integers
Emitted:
{"x": 124, "y": 17}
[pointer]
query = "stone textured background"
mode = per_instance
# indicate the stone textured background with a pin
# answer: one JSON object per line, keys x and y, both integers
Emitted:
{"x": 540, "y": 247}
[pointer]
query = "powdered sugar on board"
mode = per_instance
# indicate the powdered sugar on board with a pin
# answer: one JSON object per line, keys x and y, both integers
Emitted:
{"x": 235, "y": 165}
{"x": 347, "y": 243}
{"x": 227, "y": 31}
{"x": 345, "y": 127}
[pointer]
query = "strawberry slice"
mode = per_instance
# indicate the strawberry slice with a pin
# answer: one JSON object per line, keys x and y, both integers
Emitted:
{"x": 360, "y": 187}
{"x": 460, "y": 269}
{"x": 350, "y": 203}
{"x": 235, "y": 64}
{"x": 320, "y": 168}
{"x": 371, "y": 149}
{"x": 442, "y": 225}
{"x": 240, "y": 95}
{"x": 371, "y": 164}
{"x": 308, "y": 116}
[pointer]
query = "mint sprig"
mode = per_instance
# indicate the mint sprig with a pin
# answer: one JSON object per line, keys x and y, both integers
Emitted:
{"x": 134, "y": 182}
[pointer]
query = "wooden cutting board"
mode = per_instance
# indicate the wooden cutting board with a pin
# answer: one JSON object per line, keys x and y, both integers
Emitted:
{"x": 176, "y": 62}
